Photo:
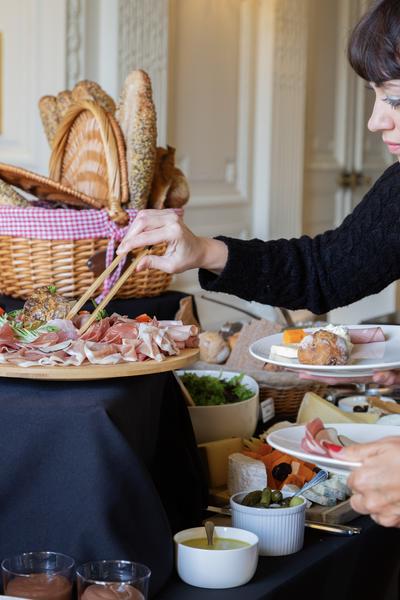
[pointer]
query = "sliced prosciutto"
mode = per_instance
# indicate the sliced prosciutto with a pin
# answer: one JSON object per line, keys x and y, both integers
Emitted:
{"x": 323, "y": 441}
{"x": 8, "y": 341}
{"x": 111, "y": 340}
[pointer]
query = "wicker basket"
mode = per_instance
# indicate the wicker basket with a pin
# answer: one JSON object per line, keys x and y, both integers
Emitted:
{"x": 287, "y": 400}
{"x": 27, "y": 263}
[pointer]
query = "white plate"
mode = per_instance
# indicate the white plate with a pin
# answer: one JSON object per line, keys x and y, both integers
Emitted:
{"x": 359, "y": 368}
{"x": 288, "y": 440}
{"x": 348, "y": 403}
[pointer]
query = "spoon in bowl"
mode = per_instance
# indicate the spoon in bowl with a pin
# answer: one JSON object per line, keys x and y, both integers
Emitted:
{"x": 318, "y": 478}
{"x": 209, "y": 527}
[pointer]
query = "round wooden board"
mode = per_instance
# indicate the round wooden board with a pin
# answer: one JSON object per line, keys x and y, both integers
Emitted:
{"x": 90, "y": 372}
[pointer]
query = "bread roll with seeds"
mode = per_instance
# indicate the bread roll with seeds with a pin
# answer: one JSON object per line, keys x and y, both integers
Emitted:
{"x": 49, "y": 116}
{"x": 9, "y": 197}
{"x": 64, "y": 101}
{"x": 137, "y": 118}
{"x": 90, "y": 90}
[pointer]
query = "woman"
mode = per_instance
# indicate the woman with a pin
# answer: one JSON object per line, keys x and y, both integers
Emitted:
{"x": 359, "y": 258}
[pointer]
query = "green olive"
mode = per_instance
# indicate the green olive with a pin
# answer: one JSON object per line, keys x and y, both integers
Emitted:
{"x": 266, "y": 497}
{"x": 296, "y": 501}
{"x": 276, "y": 496}
{"x": 252, "y": 498}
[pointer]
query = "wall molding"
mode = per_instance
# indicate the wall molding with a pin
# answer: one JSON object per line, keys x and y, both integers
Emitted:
{"x": 280, "y": 118}
{"x": 143, "y": 44}
{"x": 75, "y": 50}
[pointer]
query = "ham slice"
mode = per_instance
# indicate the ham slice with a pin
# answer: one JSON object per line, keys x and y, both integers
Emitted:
{"x": 112, "y": 340}
{"x": 366, "y": 335}
{"x": 7, "y": 338}
{"x": 321, "y": 440}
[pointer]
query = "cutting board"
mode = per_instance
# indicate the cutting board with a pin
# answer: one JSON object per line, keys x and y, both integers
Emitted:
{"x": 342, "y": 512}
{"x": 88, "y": 371}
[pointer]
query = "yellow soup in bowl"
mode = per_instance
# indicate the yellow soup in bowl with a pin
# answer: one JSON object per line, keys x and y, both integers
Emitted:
{"x": 218, "y": 544}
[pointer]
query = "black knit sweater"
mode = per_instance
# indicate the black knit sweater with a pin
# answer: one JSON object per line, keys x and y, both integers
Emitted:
{"x": 336, "y": 268}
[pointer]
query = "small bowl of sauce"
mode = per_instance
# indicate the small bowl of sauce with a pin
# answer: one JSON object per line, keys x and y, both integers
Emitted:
{"x": 230, "y": 561}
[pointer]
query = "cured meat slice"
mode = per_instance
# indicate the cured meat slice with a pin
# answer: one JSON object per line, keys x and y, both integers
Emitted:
{"x": 96, "y": 331}
{"x": 7, "y": 338}
{"x": 319, "y": 439}
{"x": 121, "y": 331}
{"x": 366, "y": 335}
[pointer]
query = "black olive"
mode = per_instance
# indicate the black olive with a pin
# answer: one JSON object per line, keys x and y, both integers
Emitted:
{"x": 281, "y": 471}
{"x": 316, "y": 469}
{"x": 358, "y": 408}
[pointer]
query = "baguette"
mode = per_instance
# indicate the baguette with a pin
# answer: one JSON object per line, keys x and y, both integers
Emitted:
{"x": 90, "y": 90}
{"x": 64, "y": 101}
{"x": 137, "y": 118}
{"x": 49, "y": 116}
{"x": 9, "y": 197}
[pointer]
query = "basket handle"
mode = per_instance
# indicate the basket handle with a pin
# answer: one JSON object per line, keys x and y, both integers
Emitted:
{"x": 114, "y": 154}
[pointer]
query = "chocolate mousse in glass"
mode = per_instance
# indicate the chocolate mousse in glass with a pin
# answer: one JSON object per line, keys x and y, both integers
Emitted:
{"x": 39, "y": 576}
{"x": 113, "y": 580}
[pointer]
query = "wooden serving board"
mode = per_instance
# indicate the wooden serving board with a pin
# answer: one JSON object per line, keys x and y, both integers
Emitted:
{"x": 90, "y": 372}
{"x": 342, "y": 512}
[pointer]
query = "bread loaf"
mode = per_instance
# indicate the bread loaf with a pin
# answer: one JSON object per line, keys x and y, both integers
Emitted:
{"x": 137, "y": 118}
{"x": 90, "y": 90}
{"x": 64, "y": 101}
{"x": 178, "y": 193}
{"x": 9, "y": 197}
{"x": 162, "y": 179}
{"x": 169, "y": 188}
{"x": 49, "y": 116}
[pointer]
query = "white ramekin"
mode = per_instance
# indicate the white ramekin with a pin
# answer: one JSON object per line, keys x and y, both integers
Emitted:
{"x": 280, "y": 530}
{"x": 216, "y": 568}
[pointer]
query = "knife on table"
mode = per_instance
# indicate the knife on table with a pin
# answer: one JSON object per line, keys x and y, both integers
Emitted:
{"x": 335, "y": 528}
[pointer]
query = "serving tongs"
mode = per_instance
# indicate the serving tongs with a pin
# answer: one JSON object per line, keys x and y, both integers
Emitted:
{"x": 97, "y": 283}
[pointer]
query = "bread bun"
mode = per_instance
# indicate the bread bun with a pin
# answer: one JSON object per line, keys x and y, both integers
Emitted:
{"x": 323, "y": 348}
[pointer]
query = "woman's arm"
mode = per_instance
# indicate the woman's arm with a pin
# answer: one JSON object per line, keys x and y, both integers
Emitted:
{"x": 336, "y": 268}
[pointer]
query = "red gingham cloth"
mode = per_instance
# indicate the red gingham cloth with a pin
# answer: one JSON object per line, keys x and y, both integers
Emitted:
{"x": 66, "y": 224}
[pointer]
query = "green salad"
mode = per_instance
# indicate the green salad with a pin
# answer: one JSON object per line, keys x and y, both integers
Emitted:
{"x": 207, "y": 390}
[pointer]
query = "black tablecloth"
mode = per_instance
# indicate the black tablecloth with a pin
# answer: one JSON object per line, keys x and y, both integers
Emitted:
{"x": 328, "y": 568}
{"x": 99, "y": 470}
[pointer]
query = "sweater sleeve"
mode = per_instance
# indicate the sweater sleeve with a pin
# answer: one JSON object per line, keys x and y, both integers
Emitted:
{"x": 336, "y": 268}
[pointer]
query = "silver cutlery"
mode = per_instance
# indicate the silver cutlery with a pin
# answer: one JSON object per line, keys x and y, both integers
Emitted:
{"x": 335, "y": 528}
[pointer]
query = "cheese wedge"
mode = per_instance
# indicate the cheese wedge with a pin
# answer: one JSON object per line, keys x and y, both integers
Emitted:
{"x": 215, "y": 456}
{"x": 288, "y": 351}
{"x": 314, "y": 406}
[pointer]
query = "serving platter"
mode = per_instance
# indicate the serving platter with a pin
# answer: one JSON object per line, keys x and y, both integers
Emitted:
{"x": 88, "y": 371}
{"x": 261, "y": 349}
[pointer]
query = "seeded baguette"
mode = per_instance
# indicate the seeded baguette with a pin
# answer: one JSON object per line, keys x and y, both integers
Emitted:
{"x": 90, "y": 90}
{"x": 64, "y": 101}
{"x": 49, "y": 116}
{"x": 9, "y": 197}
{"x": 136, "y": 115}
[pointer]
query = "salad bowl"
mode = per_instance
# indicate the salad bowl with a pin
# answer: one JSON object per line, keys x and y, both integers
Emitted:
{"x": 214, "y": 422}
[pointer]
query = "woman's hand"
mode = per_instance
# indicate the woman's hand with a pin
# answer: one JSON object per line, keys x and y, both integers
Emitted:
{"x": 376, "y": 484}
{"x": 184, "y": 250}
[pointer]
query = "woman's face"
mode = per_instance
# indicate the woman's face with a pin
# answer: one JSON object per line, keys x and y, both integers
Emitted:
{"x": 386, "y": 114}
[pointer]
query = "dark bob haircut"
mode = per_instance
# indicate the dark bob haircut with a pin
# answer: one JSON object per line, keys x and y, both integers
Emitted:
{"x": 374, "y": 45}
